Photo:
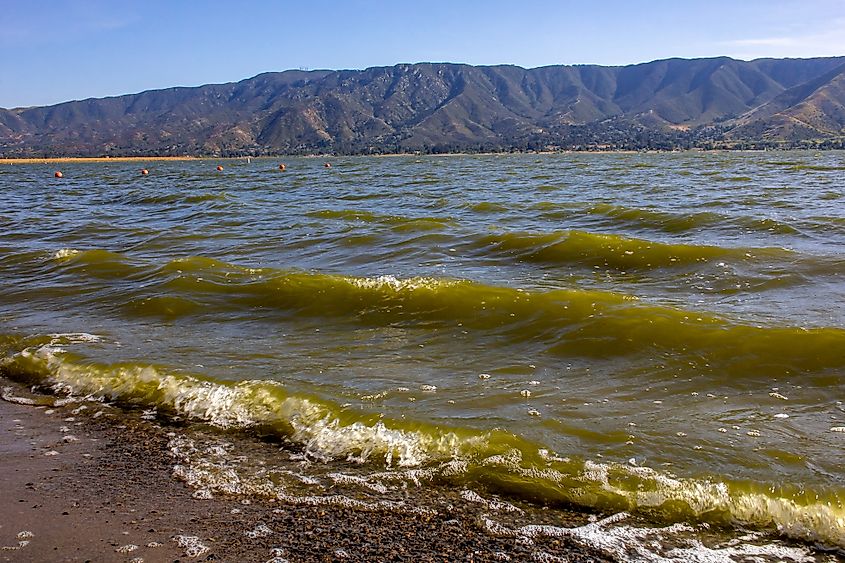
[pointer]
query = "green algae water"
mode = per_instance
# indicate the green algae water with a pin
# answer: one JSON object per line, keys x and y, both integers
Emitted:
{"x": 658, "y": 336}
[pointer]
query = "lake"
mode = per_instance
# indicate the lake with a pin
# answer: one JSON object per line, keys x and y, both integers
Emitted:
{"x": 655, "y": 335}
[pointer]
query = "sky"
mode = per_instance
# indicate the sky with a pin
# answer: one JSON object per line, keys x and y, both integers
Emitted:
{"x": 58, "y": 50}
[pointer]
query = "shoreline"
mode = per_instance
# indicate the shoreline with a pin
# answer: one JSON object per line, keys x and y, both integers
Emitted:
{"x": 99, "y": 159}
{"x": 93, "y": 159}
{"x": 86, "y": 481}
{"x": 85, "y": 159}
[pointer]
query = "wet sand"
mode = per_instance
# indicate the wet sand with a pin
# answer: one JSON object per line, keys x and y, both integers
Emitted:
{"x": 80, "y": 487}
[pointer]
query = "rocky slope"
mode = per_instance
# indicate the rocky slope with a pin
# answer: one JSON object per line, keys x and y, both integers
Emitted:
{"x": 450, "y": 107}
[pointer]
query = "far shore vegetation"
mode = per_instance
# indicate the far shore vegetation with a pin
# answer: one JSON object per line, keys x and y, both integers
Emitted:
{"x": 660, "y": 148}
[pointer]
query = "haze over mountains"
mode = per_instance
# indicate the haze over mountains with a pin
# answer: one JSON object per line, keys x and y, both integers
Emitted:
{"x": 439, "y": 107}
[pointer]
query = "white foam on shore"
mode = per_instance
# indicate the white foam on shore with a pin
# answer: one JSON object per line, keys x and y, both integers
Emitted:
{"x": 7, "y": 395}
{"x": 671, "y": 544}
{"x": 260, "y": 531}
{"x": 348, "y": 502}
{"x": 356, "y": 480}
{"x": 494, "y": 505}
{"x": 192, "y": 545}
{"x": 212, "y": 469}
{"x": 822, "y": 522}
{"x": 215, "y": 466}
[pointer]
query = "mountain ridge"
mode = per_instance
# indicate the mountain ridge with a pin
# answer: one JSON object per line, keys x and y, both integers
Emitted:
{"x": 446, "y": 107}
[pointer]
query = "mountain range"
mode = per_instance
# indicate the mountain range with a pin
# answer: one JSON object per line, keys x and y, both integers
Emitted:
{"x": 444, "y": 107}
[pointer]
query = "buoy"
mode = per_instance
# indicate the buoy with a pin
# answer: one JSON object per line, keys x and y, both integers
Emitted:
{"x": 144, "y": 172}
{"x": 327, "y": 165}
{"x": 282, "y": 167}
{"x": 219, "y": 168}
{"x": 58, "y": 174}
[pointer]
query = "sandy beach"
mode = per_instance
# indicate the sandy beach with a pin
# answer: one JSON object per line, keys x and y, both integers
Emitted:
{"x": 75, "y": 490}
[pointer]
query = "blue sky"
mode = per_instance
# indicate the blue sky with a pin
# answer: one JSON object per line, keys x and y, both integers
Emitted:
{"x": 53, "y": 51}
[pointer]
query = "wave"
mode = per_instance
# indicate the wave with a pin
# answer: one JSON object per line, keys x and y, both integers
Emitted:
{"x": 501, "y": 461}
{"x": 682, "y": 222}
{"x": 615, "y": 251}
{"x": 666, "y": 221}
{"x": 623, "y": 253}
{"x": 97, "y": 263}
{"x": 621, "y": 215}
{"x": 662, "y": 220}
{"x": 575, "y": 247}
{"x": 568, "y": 322}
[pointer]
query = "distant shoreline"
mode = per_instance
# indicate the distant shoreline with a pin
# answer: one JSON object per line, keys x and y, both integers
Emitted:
{"x": 49, "y": 160}
{"x": 96, "y": 159}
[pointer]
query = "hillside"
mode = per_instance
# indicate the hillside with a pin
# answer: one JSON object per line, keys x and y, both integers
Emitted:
{"x": 437, "y": 107}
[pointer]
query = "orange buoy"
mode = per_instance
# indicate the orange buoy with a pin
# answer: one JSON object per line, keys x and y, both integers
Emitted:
{"x": 144, "y": 172}
{"x": 219, "y": 168}
{"x": 327, "y": 165}
{"x": 58, "y": 174}
{"x": 282, "y": 167}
